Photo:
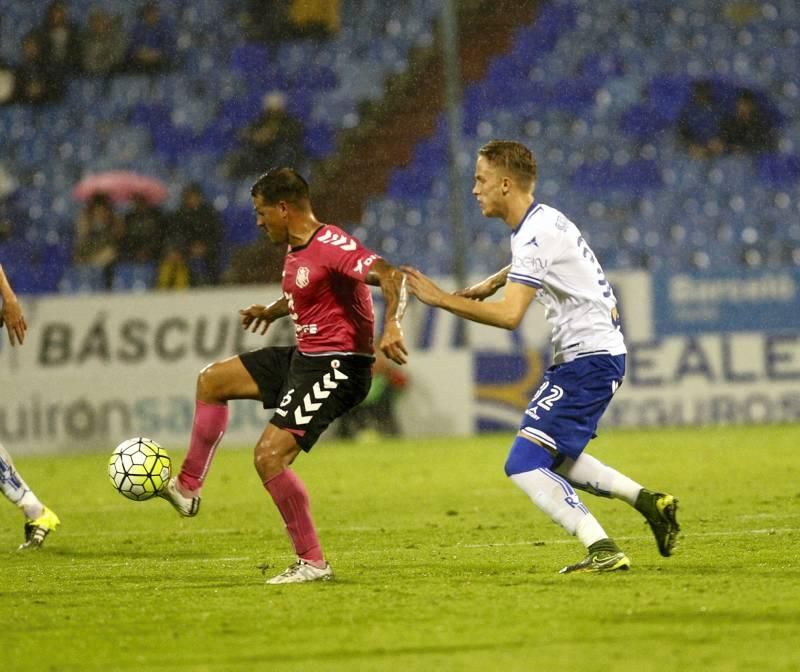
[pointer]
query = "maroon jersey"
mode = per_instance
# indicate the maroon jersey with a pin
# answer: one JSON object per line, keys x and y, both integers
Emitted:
{"x": 331, "y": 306}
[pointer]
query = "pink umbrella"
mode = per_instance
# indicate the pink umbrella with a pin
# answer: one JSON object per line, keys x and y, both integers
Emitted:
{"x": 121, "y": 186}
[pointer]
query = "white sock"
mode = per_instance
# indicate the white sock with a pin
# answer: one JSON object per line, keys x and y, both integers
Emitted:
{"x": 590, "y": 474}
{"x": 16, "y": 490}
{"x": 555, "y": 496}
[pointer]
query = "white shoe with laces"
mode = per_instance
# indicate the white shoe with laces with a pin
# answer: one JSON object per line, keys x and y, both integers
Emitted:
{"x": 186, "y": 506}
{"x": 302, "y": 571}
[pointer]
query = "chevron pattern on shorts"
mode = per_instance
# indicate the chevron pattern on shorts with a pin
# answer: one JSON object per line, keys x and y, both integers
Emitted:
{"x": 312, "y": 401}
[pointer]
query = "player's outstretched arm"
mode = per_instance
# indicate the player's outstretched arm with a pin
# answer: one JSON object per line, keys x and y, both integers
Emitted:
{"x": 485, "y": 288}
{"x": 11, "y": 314}
{"x": 256, "y": 316}
{"x": 506, "y": 313}
{"x": 393, "y": 286}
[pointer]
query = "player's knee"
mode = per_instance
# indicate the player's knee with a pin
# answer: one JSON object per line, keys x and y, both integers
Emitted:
{"x": 209, "y": 383}
{"x": 263, "y": 459}
{"x": 527, "y": 456}
{"x": 270, "y": 457}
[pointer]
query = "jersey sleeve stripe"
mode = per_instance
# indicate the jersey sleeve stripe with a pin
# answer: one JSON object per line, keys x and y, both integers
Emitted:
{"x": 524, "y": 280}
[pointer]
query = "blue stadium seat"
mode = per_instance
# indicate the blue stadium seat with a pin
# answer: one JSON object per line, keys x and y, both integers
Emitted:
{"x": 82, "y": 279}
{"x": 240, "y": 225}
{"x": 779, "y": 170}
{"x": 136, "y": 277}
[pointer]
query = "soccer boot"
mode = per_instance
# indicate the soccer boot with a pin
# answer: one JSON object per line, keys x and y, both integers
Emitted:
{"x": 600, "y": 561}
{"x": 36, "y": 531}
{"x": 186, "y": 506}
{"x": 660, "y": 510}
{"x": 302, "y": 571}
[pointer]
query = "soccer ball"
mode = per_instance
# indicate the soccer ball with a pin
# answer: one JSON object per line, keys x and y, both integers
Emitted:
{"x": 139, "y": 468}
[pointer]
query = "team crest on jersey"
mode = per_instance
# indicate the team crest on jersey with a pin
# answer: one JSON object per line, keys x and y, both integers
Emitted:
{"x": 301, "y": 279}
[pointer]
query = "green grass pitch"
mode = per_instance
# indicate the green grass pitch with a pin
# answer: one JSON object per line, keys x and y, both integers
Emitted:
{"x": 442, "y": 564}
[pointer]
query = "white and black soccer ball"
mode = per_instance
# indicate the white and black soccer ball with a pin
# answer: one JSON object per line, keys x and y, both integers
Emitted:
{"x": 139, "y": 468}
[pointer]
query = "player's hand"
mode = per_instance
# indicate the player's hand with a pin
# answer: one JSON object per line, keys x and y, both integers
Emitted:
{"x": 11, "y": 316}
{"x": 254, "y": 317}
{"x": 392, "y": 344}
{"x": 478, "y": 292}
{"x": 421, "y": 286}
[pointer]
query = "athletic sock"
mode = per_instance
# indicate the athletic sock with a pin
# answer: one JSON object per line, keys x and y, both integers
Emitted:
{"x": 604, "y": 545}
{"x": 291, "y": 498}
{"x": 555, "y": 496}
{"x": 590, "y": 474}
{"x": 210, "y": 421}
{"x": 16, "y": 490}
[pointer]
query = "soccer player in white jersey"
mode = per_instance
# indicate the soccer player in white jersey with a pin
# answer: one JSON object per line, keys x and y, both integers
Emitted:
{"x": 552, "y": 264}
{"x": 39, "y": 520}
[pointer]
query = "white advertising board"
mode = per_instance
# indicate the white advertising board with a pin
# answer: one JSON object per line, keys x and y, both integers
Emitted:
{"x": 97, "y": 369}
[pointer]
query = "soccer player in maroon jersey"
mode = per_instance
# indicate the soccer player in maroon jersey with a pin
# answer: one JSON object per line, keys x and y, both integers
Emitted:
{"x": 328, "y": 372}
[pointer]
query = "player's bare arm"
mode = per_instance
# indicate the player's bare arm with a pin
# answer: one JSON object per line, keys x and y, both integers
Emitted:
{"x": 485, "y": 288}
{"x": 506, "y": 313}
{"x": 392, "y": 282}
{"x": 257, "y": 316}
{"x": 11, "y": 313}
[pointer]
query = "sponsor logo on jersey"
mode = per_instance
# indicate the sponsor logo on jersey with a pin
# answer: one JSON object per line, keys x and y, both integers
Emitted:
{"x": 530, "y": 264}
{"x": 364, "y": 263}
{"x": 301, "y": 280}
{"x": 301, "y": 329}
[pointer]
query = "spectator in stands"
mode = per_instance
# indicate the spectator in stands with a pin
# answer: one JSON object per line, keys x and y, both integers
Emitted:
{"x": 7, "y": 80}
{"x": 274, "y": 139}
{"x": 34, "y": 81}
{"x": 152, "y": 42}
{"x": 143, "y": 233}
{"x": 61, "y": 41}
{"x": 193, "y": 242}
{"x": 259, "y": 263}
{"x": 376, "y": 412}
{"x": 97, "y": 234}
{"x": 699, "y": 122}
{"x": 314, "y": 18}
{"x": 104, "y": 44}
{"x": 9, "y": 213}
{"x": 267, "y": 20}
{"x": 747, "y": 129}
{"x": 173, "y": 271}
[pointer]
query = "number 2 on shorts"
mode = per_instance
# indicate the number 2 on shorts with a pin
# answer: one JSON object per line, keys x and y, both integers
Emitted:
{"x": 546, "y": 402}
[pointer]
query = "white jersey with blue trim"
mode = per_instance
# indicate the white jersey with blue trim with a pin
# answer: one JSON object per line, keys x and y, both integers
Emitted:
{"x": 548, "y": 252}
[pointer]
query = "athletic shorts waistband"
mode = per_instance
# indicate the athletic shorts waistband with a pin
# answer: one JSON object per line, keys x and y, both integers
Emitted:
{"x": 357, "y": 361}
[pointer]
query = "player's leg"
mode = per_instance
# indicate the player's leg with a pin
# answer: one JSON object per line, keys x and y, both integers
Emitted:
{"x": 216, "y": 385}
{"x": 528, "y": 466}
{"x": 658, "y": 508}
{"x": 589, "y": 474}
{"x": 560, "y": 420}
{"x": 316, "y": 392}
{"x": 39, "y": 520}
{"x": 274, "y": 453}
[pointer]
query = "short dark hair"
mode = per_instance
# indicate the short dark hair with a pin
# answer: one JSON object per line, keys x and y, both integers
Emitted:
{"x": 514, "y": 157}
{"x": 281, "y": 184}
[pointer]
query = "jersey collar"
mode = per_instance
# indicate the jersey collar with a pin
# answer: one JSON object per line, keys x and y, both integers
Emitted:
{"x": 530, "y": 209}
{"x": 310, "y": 240}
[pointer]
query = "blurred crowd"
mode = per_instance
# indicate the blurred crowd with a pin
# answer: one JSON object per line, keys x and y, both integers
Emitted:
{"x": 183, "y": 247}
{"x": 708, "y": 127}
{"x": 60, "y": 48}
